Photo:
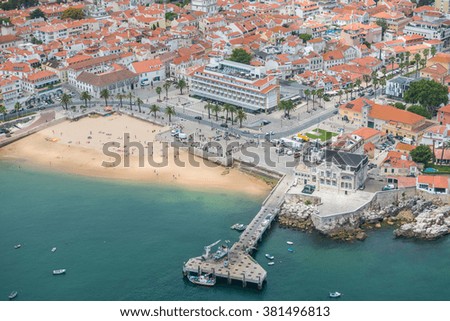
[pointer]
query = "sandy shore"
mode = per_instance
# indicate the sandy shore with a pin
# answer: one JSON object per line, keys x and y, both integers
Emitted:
{"x": 77, "y": 148}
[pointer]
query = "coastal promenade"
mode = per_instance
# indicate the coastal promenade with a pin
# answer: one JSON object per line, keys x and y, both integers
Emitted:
{"x": 238, "y": 264}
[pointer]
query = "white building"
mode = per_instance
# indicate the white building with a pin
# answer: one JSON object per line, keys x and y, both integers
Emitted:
{"x": 209, "y": 6}
{"x": 149, "y": 71}
{"x": 237, "y": 84}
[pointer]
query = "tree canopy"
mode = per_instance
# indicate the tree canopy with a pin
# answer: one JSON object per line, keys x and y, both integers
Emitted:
{"x": 422, "y": 154}
{"x": 305, "y": 37}
{"x": 73, "y": 13}
{"x": 420, "y": 110}
{"x": 17, "y": 4}
{"x": 428, "y": 93}
{"x": 38, "y": 13}
{"x": 240, "y": 55}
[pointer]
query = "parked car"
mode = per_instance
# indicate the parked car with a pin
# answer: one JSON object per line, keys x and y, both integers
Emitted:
{"x": 388, "y": 187}
{"x": 224, "y": 125}
{"x": 308, "y": 189}
{"x": 198, "y": 117}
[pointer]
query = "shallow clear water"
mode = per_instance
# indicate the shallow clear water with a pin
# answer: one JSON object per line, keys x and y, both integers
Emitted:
{"x": 128, "y": 241}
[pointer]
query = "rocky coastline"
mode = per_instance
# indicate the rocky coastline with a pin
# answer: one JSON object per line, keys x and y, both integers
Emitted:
{"x": 414, "y": 217}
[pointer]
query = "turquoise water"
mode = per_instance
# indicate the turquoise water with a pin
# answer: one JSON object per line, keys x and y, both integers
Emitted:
{"x": 128, "y": 241}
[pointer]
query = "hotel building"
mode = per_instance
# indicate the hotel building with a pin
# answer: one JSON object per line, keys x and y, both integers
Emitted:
{"x": 236, "y": 84}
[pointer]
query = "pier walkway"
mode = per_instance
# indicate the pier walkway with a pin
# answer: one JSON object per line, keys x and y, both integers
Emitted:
{"x": 241, "y": 266}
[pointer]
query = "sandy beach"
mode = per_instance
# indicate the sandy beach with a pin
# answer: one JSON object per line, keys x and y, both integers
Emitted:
{"x": 77, "y": 148}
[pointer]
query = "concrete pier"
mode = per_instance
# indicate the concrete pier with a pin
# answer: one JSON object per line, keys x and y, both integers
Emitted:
{"x": 241, "y": 265}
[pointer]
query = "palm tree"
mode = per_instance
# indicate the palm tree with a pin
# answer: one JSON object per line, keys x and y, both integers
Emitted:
{"x": 433, "y": 51}
{"x": 17, "y": 108}
{"x": 65, "y": 100}
{"x": 425, "y": 53}
{"x": 154, "y": 109}
{"x": 181, "y": 84}
{"x": 286, "y": 106}
{"x": 417, "y": 62}
{"x": 358, "y": 84}
{"x": 158, "y": 92}
{"x": 3, "y": 111}
{"x": 170, "y": 111}
{"x": 407, "y": 55}
{"x": 313, "y": 94}
{"x": 120, "y": 97}
{"x": 445, "y": 145}
{"x": 232, "y": 110}
{"x": 86, "y": 96}
{"x": 367, "y": 79}
{"x": 139, "y": 102}
{"x": 392, "y": 60}
{"x": 130, "y": 97}
{"x": 350, "y": 88}
{"x": 105, "y": 95}
{"x": 340, "y": 93}
{"x": 166, "y": 87}
{"x": 226, "y": 109}
{"x": 208, "y": 106}
{"x": 241, "y": 116}
{"x": 375, "y": 82}
{"x": 216, "y": 110}
{"x": 307, "y": 92}
{"x": 382, "y": 83}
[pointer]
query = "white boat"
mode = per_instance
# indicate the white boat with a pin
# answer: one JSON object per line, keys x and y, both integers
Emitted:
{"x": 17, "y": 246}
{"x": 59, "y": 271}
{"x": 203, "y": 279}
{"x": 13, "y": 295}
{"x": 239, "y": 227}
{"x": 54, "y": 249}
{"x": 290, "y": 250}
{"x": 221, "y": 252}
{"x": 335, "y": 294}
{"x": 271, "y": 263}
{"x": 290, "y": 243}
{"x": 270, "y": 257}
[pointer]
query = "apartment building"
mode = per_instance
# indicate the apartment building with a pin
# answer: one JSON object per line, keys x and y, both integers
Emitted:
{"x": 42, "y": 84}
{"x": 91, "y": 65}
{"x": 438, "y": 29}
{"x": 442, "y": 5}
{"x": 9, "y": 91}
{"x": 237, "y": 84}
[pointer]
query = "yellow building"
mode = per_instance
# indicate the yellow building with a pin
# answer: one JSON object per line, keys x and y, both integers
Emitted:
{"x": 442, "y": 5}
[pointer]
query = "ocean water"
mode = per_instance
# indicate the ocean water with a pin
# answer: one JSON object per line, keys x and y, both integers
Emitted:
{"x": 128, "y": 241}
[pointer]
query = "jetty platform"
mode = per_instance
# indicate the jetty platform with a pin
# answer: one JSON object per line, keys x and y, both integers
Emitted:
{"x": 238, "y": 264}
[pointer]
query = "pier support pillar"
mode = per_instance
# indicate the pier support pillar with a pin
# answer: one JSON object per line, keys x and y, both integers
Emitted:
{"x": 244, "y": 283}
{"x": 259, "y": 283}
{"x": 229, "y": 278}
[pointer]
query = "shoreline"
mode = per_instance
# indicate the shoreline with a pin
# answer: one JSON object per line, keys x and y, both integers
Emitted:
{"x": 76, "y": 148}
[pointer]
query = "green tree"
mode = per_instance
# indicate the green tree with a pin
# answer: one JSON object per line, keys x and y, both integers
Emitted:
{"x": 428, "y": 93}
{"x": 384, "y": 26}
{"x": 38, "y": 13}
{"x": 422, "y": 154}
{"x": 181, "y": 84}
{"x": 407, "y": 59}
{"x": 154, "y": 109}
{"x": 399, "y": 106}
{"x": 166, "y": 87}
{"x": 85, "y": 96}
{"x": 120, "y": 97}
{"x": 17, "y": 108}
{"x": 232, "y": 109}
{"x": 139, "y": 102}
{"x": 3, "y": 111}
{"x": 367, "y": 79}
{"x": 65, "y": 100}
{"x": 420, "y": 110}
{"x": 130, "y": 99}
{"x": 286, "y": 106}
{"x": 320, "y": 94}
{"x": 226, "y": 109}
{"x": 305, "y": 37}
{"x": 307, "y": 93}
{"x": 208, "y": 107}
{"x": 216, "y": 110}
{"x": 170, "y": 111}
{"x": 105, "y": 95}
{"x": 445, "y": 145}
{"x": 241, "y": 116}
{"x": 433, "y": 51}
{"x": 170, "y": 16}
{"x": 158, "y": 92}
{"x": 417, "y": 62}
{"x": 73, "y": 13}
{"x": 425, "y": 53}
{"x": 240, "y": 55}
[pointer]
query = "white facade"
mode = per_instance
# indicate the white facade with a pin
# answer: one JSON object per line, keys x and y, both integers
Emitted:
{"x": 209, "y": 6}
{"x": 237, "y": 84}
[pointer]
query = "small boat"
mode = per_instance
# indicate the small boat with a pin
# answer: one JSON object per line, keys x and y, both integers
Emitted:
{"x": 335, "y": 294}
{"x": 203, "y": 279}
{"x": 239, "y": 227}
{"x": 270, "y": 257}
{"x": 54, "y": 249}
{"x": 290, "y": 243}
{"x": 13, "y": 295}
{"x": 271, "y": 263}
{"x": 17, "y": 246}
{"x": 59, "y": 271}
{"x": 291, "y": 249}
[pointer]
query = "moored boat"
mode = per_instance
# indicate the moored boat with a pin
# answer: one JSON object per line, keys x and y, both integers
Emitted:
{"x": 59, "y": 271}
{"x": 290, "y": 249}
{"x": 203, "y": 279}
{"x": 13, "y": 295}
{"x": 17, "y": 246}
{"x": 239, "y": 227}
{"x": 270, "y": 257}
{"x": 335, "y": 294}
{"x": 221, "y": 252}
{"x": 271, "y": 263}
{"x": 54, "y": 249}
{"x": 290, "y": 242}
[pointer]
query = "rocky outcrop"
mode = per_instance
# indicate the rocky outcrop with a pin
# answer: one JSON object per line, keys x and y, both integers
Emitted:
{"x": 430, "y": 224}
{"x": 297, "y": 214}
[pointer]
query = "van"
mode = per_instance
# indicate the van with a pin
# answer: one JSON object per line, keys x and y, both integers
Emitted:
{"x": 407, "y": 140}
{"x": 145, "y": 82}
{"x": 182, "y": 136}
